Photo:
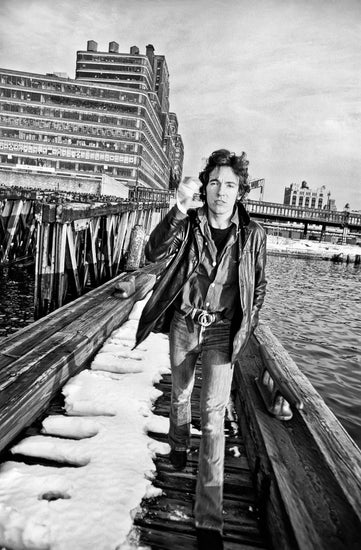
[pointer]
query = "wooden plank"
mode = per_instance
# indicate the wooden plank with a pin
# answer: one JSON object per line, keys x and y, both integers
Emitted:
{"x": 12, "y": 224}
{"x": 33, "y": 378}
{"x": 167, "y": 521}
{"x": 37, "y": 265}
{"x": 84, "y": 324}
{"x": 336, "y": 446}
{"x": 60, "y": 264}
{"x": 130, "y": 225}
{"x": 26, "y": 212}
{"x": 44, "y": 269}
{"x": 52, "y": 266}
{"x": 28, "y": 247}
{"x": 84, "y": 261}
{"x": 159, "y": 539}
{"x": 93, "y": 261}
{"x": 298, "y": 465}
{"x": 119, "y": 240}
{"x": 73, "y": 259}
{"x": 109, "y": 248}
{"x": 16, "y": 344}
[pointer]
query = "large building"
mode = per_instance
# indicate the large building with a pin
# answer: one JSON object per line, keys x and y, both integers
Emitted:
{"x": 301, "y": 195}
{"x": 113, "y": 119}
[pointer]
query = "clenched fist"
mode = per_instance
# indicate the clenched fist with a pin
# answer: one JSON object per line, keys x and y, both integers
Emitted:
{"x": 188, "y": 194}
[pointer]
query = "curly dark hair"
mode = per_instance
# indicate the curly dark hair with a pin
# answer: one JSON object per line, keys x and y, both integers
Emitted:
{"x": 223, "y": 157}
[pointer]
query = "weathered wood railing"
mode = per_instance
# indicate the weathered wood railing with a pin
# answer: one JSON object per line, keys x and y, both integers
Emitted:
{"x": 307, "y": 470}
{"x": 36, "y": 361}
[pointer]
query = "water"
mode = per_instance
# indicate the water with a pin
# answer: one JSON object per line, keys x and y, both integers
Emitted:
{"x": 312, "y": 306}
{"x": 16, "y": 299}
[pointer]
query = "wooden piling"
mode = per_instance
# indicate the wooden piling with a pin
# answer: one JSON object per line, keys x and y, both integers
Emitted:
{"x": 74, "y": 246}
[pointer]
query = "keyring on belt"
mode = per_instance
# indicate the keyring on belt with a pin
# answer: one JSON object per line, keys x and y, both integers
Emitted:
{"x": 205, "y": 319}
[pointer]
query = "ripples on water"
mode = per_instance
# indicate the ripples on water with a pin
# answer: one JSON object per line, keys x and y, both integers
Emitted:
{"x": 314, "y": 308}
{"x": 16, "y": 299}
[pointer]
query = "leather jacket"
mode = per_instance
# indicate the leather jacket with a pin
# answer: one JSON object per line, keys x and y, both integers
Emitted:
{"x": 174, "y": 238}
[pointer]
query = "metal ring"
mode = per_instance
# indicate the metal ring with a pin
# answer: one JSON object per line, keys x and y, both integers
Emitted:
{"x": 205, "y": 319}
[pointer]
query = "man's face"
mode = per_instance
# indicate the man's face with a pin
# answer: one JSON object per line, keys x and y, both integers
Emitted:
{"x": 222, "y": 190}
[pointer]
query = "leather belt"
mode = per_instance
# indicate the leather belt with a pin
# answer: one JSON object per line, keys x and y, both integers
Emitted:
{"x": 205, "y": 318}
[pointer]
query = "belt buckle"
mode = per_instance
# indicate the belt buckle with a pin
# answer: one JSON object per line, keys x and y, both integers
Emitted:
{"x": 205, "y": 319}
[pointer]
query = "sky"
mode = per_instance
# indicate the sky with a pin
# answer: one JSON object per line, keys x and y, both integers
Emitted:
{"x": 278, "y": 79}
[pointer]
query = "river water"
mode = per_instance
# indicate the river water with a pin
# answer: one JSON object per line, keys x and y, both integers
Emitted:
{"x": 312, "y": 306}
{"x": 16, "y": 299}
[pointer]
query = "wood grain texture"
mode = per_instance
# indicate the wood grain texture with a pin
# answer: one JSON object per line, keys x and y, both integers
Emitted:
{"x": 37, "y": 361}
{"x": 307, "y": 469}
{"x": 167, "y": 522}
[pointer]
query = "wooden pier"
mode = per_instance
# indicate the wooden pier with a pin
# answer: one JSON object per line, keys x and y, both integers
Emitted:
{"x": 167, "y": 521}
{"x": 76, "y": 242}
{"x": 295, "y": 484}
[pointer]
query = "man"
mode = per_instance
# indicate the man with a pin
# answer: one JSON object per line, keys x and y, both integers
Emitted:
{"x": 208, "y": 300}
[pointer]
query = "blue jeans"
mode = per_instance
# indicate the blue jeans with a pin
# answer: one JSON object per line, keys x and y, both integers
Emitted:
{"x": 214, "y": 345}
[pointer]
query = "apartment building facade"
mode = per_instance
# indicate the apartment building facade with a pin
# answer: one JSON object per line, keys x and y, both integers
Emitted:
{"x": 301, "y": 195}
{"x": 90, "y": 125}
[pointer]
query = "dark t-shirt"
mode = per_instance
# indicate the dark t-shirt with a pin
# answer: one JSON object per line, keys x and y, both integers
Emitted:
{"x": 220, "y": 237}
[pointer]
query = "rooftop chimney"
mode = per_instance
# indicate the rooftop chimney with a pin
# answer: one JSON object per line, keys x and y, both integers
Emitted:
{"x": 149, "y": 51}
{"x": 92, "y": 46}
{"x": 134, "y": 50}
{"x": 113, "y": 47}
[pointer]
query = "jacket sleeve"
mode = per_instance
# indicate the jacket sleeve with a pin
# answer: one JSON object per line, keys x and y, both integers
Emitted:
{"x": 260, "y": 281}
{"x": 167, "y": 236}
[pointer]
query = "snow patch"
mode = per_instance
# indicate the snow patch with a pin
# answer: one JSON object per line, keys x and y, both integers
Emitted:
{"x": 72, "y": 427}
{"x": 92, "y": 506}
{"x": 52, "y": 448}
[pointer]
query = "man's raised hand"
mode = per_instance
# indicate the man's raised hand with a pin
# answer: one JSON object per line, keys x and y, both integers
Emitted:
{"x": 188, "y": 194}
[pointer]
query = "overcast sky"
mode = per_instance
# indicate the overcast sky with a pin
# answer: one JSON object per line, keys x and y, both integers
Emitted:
{"x": 279, "y": 79}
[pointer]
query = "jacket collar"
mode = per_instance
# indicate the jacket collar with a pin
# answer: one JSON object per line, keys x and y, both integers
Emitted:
{"x": 243, "y": 214}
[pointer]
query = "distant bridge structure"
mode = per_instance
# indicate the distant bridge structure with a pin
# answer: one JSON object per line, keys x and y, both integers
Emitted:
{"x": 274, "y": 212}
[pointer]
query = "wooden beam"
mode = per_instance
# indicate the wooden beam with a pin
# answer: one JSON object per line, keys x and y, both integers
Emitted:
{"x": 131, "y": 222}
{"x": 308, "y": 469}
{"x": 12, "y": 224}
{"x": 120, "y": 238}
{"x": 71, "y": 238}
{"x": 70, "y": 339}
{"x": 93, "y": 259}
{"x": 60, "y": 264}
